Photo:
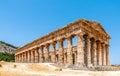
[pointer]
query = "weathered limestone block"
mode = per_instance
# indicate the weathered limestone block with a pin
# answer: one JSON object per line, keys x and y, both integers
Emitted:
{"x": 80, "y": 50}
{"x": 36, "y": 55}
{"x": 61, "y": 53}
{"x": 69, "y": 51}
{"x": 53, "y": 57}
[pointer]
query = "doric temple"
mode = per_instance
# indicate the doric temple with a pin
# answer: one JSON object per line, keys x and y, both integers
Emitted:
{"x": 92, "y": 47}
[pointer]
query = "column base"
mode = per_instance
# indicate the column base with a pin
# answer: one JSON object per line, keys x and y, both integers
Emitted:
{"x": 78, "y": 67}
{"x": 89, "y": 65}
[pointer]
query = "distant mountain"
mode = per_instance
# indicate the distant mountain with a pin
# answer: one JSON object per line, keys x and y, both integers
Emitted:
{"x": 6, "y": 47}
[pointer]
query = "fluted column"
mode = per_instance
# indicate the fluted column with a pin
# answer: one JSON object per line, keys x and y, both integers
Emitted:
{"x": 18, "y": 58}
{"x": 28, "y": 56}
{"x": 22, "y": 57}
{"x": 65, "y": 58}
{"x": 31, "y": 56}
{"x": 61, "y": 52}
{"x": 36, "y": 55}
{"x": 75, "y": 57}
{"x": 107, "y": 55}
{"x": 69, "y": 51}
{"x": 41, "y": 54}
{"x": 95, "y": 52}
{"x": 47, "y": 53}
{"x": 88, "y": 52}
{"x": 103, "y": 54}
{"x": 80, "y": 50}
{"x": 100, "y": 53}
{"x": 53, "y": 57}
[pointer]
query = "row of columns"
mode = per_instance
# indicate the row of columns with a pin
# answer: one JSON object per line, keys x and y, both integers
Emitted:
{"x": 97, "y": 53}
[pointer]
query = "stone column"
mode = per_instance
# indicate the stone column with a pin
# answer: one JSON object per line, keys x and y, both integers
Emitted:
{"x": 100, "y": 54}
{"x": 26, "y": 53}
{"x": 103, "y": 53}
{"x": 47, "y": 53}
{"x": 95, "y": 53}
{"x": 69, "y": 51}
{"x": 65, "y": 58}
{"x": 18, "y": 58}
{"x": 53, "y": 53}
{"x": 80, "y": 51}
{"x": 31, "y": 56}
{"x": 22, "y": 57}
{"x": 25, "y": 57}
{"x": 75, "y": 57}
{"x": 61, "y": 52}
{"x": 107, "y": 55}
{"x": 36, "y": 55}
{"x": 88, "y": 52}
{"x": 41, "y": 54}
{"x": 28, "y": 56}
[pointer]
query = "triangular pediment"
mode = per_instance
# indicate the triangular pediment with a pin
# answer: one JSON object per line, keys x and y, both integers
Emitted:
{"x": 95, "y": 25}
{"x": 99, "y": 27}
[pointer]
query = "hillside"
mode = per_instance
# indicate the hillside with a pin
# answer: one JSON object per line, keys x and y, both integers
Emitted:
{"x": 8, "y": 48}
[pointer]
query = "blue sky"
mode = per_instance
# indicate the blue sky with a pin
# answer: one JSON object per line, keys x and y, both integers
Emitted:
{"x": 22, "y": 21}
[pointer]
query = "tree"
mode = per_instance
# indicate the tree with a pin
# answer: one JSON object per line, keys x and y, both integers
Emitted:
{"x": 7, "y": 57}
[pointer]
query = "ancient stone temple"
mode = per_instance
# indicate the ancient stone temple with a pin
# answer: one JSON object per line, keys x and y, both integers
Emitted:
{"x": 92, "y": 46}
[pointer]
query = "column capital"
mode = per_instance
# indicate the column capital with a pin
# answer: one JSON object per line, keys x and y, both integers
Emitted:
{"x": 41, "y": 47}
{"x": 60, "y": 40}
{"x": 80, "y": 34}
{"x": 70, "y": 37}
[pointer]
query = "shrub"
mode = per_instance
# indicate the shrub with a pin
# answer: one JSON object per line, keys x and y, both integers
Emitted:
{"x": 15, "y": 66}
